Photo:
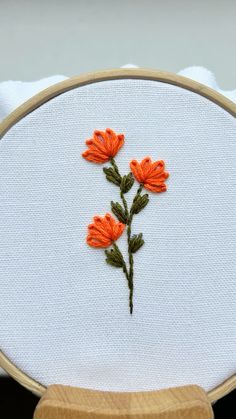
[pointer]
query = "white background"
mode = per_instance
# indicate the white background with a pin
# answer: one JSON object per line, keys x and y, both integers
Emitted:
{"x": 42, "y": 38}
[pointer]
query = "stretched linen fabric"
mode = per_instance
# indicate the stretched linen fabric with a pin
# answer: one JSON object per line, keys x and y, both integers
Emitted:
{"x": 14, "y": 93}
{"x": 64, "y": 311}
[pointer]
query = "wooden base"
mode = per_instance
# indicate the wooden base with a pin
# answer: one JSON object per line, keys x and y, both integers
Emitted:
{"x": 62, "y": 402}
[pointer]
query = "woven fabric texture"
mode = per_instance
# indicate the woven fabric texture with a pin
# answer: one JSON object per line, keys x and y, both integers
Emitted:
{"x": 64, "y": 312}
{"x": 14, "y": 93}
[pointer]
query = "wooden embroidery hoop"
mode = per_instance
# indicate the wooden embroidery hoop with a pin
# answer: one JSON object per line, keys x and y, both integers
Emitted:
{"x": 90, "y": 78}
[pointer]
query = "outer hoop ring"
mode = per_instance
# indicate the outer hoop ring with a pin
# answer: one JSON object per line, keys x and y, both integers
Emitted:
{"x": 89, "y": 78}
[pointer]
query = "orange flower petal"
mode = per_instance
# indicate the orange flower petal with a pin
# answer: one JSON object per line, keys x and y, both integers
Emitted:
{"x": 110, "y": 141}
{"x": 96, "y": 145}
{"x": 100, "y": 138}
{"x": 109, "y": 224}
{"x": 146, "y": 166}
{"x": 104, "y": 231}
{"x": 157, "y": 167}
{"x": 156, "y": 189}
{"x": 98, "y": 242}
{"x": 103, "y": 146}
{"x": 118, "y": 230}
{"x": 95, "y": 157}
{"x": 120, "y": 139}
{"x": 95, "y": 229}
{"x": 103, "y": 225}
{"x": 159, "y": 178}
{"x": 137, "y": 170}
{"x": 151, "y": 174}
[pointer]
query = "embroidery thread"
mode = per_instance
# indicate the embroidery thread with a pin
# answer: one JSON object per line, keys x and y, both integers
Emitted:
{"x": 105, "y": 231}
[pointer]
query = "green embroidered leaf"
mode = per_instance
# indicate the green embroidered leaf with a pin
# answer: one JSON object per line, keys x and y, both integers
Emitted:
{"x": 127, "y": 183}
{"x": 112, "y": 175}
{"x": 139, "y": 203}
{"x": 114, "y": 258}
{"x": 119, "y": 212}
{"x": 136, "y": 243}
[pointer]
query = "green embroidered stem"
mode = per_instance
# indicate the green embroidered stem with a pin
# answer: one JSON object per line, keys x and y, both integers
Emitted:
{"x": 130, "y": 274}
{"x": 129, "y": 217}
{"x": 114, "y": 165}
{"x": 131, "y": 267}
{"x": 131, "y": 258}
{"x": 139, "y": 189}
{"x": 125, "y": 270}
{"x": 125, "y": 204}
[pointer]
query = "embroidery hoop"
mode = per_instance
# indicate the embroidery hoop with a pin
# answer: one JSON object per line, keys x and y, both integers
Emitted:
{"x": 90, "y": 78}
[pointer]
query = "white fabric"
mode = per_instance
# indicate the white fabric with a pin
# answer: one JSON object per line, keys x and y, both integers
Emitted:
{"x": 205, "y": 76}
{"x": 14, "y": 93}
{"x": 64, "y": 312}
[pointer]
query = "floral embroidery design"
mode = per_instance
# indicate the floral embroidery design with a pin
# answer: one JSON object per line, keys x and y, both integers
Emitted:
{"x": 105, "y": 231}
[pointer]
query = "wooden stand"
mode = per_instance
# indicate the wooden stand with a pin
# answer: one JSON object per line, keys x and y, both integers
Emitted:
{"x": 62, "y": 402}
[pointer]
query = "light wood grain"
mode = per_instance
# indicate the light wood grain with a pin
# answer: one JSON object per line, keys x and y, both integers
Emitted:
{"x": 20, "y": 376}
{"x": 89, "y": 78}
{"x": 97, "y": 77}
{"x": 62, "y": 402}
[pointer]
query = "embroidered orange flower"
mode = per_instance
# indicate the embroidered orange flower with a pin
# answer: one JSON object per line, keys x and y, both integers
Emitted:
{"x": 104, "y": 231}
{"x": 151, "y": 174}
{"x": 103, "y": 146}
